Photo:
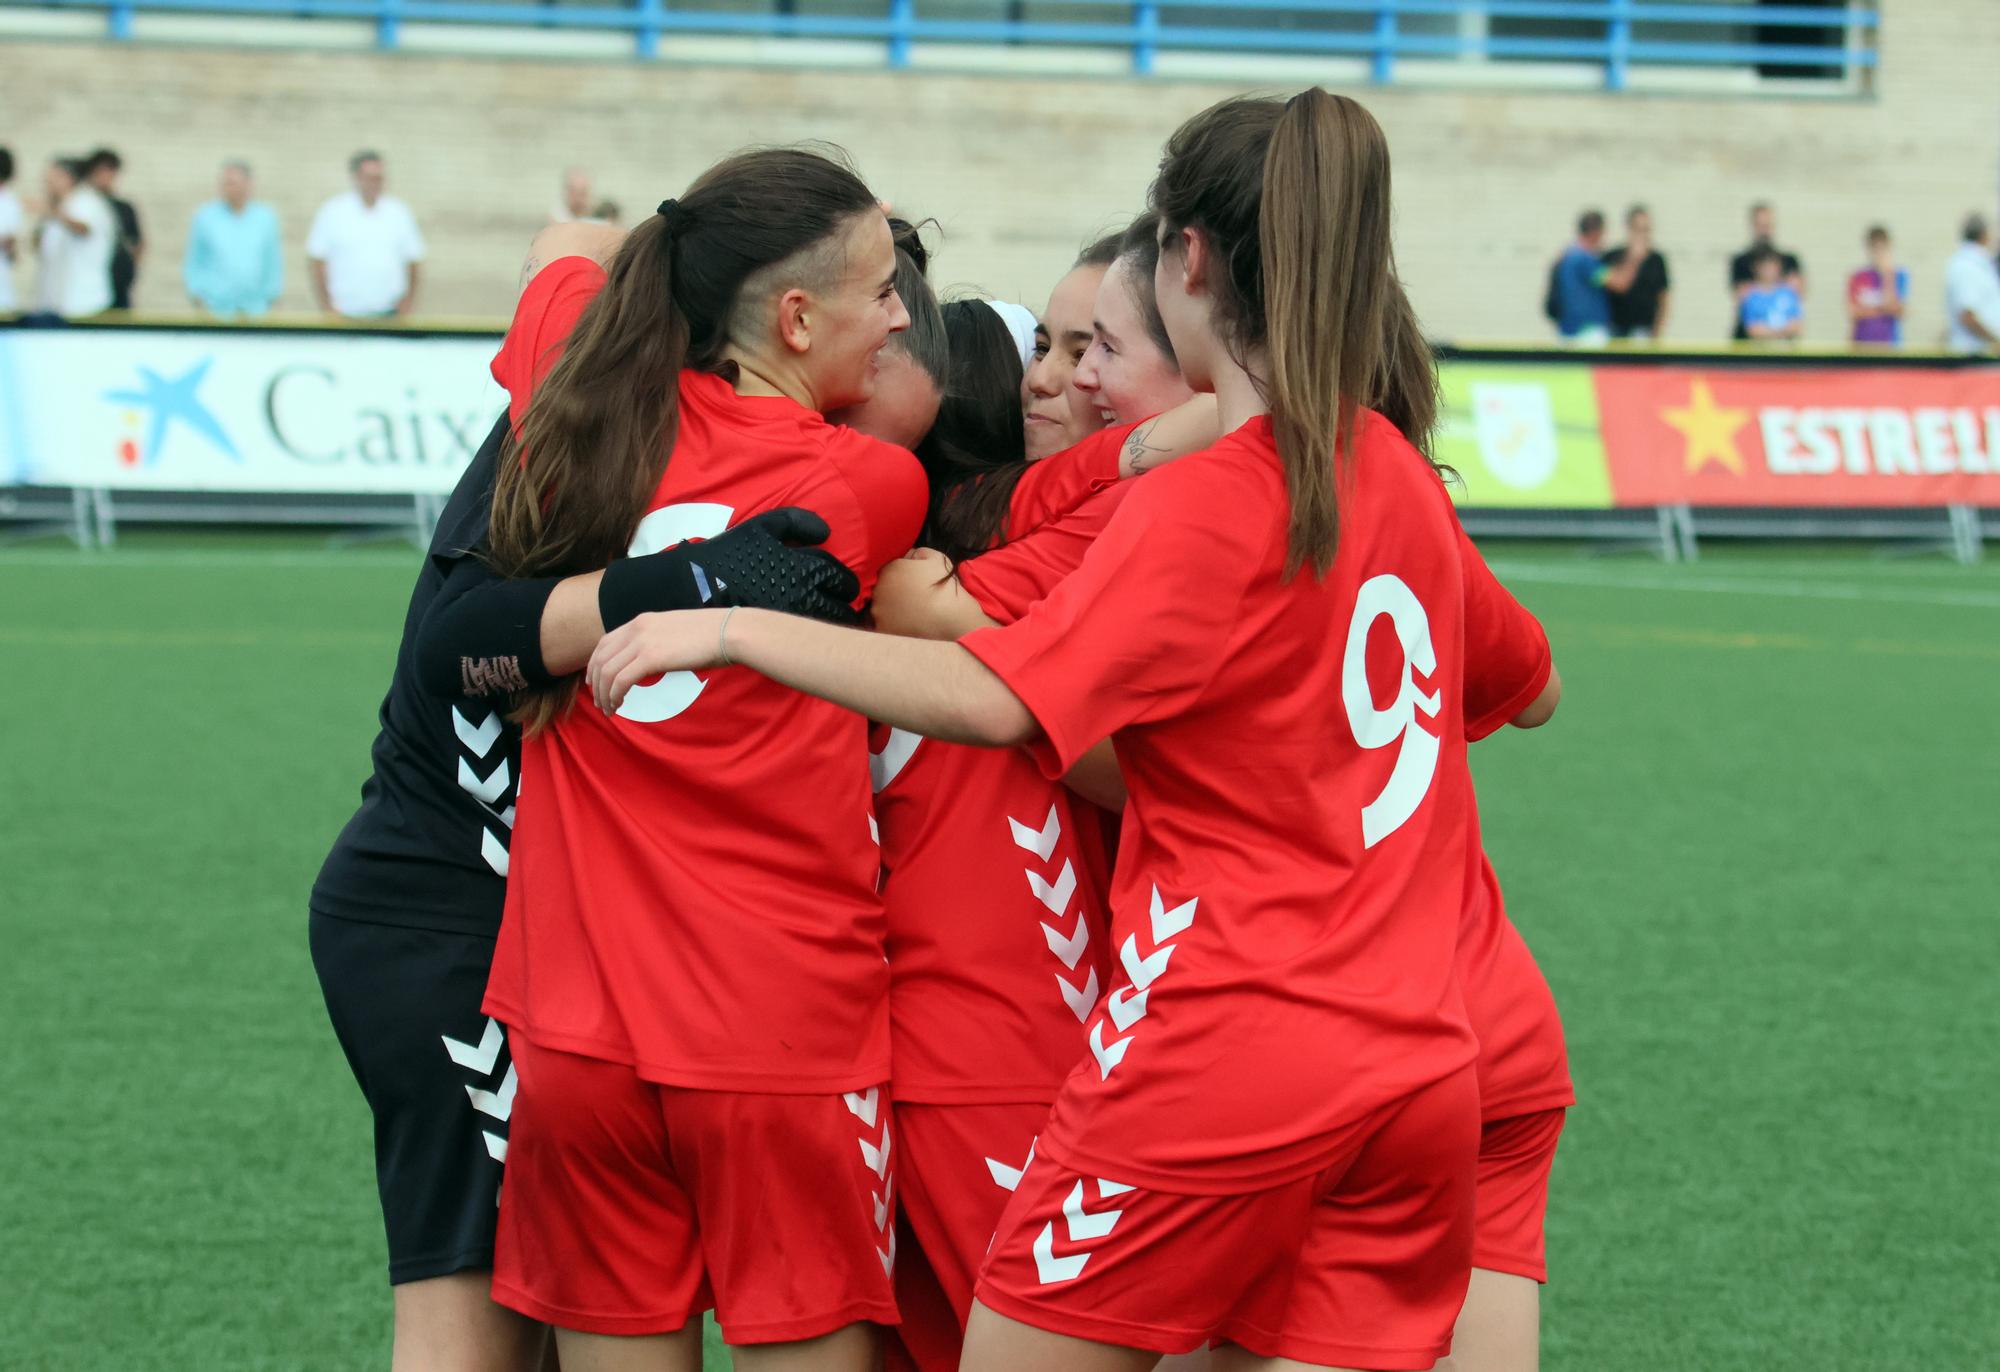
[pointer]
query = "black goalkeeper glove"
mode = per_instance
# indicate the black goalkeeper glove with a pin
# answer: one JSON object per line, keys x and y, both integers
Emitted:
{"x": 763, "y": 563}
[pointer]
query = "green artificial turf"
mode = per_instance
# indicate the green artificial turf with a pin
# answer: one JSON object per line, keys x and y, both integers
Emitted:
{"x": 1755, "y": 854}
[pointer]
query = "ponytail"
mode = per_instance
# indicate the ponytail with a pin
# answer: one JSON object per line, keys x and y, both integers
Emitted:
{"x": 591, "y": 451}
{"x": 1294, "y": 199}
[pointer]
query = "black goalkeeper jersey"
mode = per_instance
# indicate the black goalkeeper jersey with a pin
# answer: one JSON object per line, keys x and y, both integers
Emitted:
{"x": 428, "y": 847}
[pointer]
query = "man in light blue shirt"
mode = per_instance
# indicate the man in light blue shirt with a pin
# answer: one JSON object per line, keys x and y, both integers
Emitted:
{"x": 235, "y": 263}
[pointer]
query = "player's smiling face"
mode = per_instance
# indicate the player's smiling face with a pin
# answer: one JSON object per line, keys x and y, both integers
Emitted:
{"x": 1055, "y": 413}
{"x": 1123, "y": 371}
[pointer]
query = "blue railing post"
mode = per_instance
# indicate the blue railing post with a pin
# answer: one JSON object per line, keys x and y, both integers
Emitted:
{"x": 902, "y": 13}
{"x": 119, "y": 21}
{"x": 388, "y": 23}
{"x": 1146, "y": 19}
{"x": 1383, "y": 69}
{"x": 647, "y": 39}
{"x": 1618, "y": 61}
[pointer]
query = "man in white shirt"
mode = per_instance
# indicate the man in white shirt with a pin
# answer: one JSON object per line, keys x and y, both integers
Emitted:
{"x": 11, "y": 219}
{"x": 1972, "y": 290}
{"x": 77, "y": 241}
{"x": 365, "y": 248}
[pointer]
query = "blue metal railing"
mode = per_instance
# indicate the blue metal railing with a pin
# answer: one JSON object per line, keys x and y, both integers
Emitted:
{"x": 1616, "y": 35}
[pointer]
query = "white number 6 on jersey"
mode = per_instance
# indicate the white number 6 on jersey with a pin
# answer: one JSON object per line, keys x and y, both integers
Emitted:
{"x": 1417, "y": 748}
{"x": 659, "y": 530}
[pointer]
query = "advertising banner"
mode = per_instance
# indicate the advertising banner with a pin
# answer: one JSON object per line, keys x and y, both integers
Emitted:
{"x": 1801, "y": 436}
{"x": 1522, "y": 436}
{"x": 208, "y": 410}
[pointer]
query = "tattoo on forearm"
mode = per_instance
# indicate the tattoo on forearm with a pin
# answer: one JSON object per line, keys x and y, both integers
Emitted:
{"x": 1140, "y": 453}
{"x": 488, "y": 676}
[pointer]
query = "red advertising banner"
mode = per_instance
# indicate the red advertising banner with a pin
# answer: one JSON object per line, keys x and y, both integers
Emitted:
{"x": 1801, "y": 436}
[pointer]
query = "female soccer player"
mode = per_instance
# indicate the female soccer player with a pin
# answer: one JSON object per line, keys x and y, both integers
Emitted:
{"x": 407, "y": 904}
{"x": 691, "y": 963}
{"x": 995, "y": 875}
{"x": 1129, "y": 369}
{"x": 1271, "y": 1140}
{"x": 1057, "y": 414}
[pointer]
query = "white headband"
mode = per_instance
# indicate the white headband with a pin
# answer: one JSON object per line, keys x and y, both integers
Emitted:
{"x": 1020, "y": 322}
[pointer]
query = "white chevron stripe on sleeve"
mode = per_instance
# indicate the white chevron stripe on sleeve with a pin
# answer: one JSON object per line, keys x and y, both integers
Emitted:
{"x": 499, "y": 1104}
{"x": 1042, "y": 843}
{"x": 1080, "y": 999}
{"x": 493, "y": 850}
{"x": 478, "y": 737}
{"x": 481, "y": 1058}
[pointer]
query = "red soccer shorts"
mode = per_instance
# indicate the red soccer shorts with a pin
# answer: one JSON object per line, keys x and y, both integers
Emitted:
{"x": 1361, "y": 1265}
{"x": 630, "y": 1208}
{"x": 1512, "y": 1199}
{"x": 956, "y": 1169}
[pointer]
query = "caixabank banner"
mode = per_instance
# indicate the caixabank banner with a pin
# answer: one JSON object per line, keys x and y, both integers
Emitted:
{"x": 214, "y": 410}
{"x": 1801, "y": 435}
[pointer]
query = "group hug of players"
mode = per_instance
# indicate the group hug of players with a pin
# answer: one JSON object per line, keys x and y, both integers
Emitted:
{"x": 1090, "y": 960}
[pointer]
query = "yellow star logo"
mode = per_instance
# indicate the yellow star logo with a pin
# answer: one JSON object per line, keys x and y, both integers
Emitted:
{"x": 1710, "y": 429}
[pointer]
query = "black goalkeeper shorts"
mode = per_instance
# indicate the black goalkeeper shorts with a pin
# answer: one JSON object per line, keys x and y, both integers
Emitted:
{"x": 436, "y": 1073}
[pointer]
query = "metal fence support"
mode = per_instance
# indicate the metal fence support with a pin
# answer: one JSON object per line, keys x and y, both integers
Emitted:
{"x": 1967, "y": 543}
{"x": 902, "y": 13}
{"x": 1618, "y": 33}
{"x": 1684, "y": 530}
{"x": 1145, "y": 18}
{"x": 646, "y": 39}
{"x": 1383, "y": 69}
{"x": 105, "y": 518}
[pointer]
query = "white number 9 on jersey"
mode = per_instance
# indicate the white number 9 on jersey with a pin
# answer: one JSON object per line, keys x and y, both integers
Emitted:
{"x": 1416, "y": 747}
{"x": 662, "y": 529}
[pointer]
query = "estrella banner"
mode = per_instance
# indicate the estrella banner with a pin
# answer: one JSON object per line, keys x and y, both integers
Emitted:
{"x": 1801, "y": 435}
{"x": 216, "y": 410}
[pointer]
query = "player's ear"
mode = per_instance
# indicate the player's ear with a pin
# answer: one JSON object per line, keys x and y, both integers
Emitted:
{"x": 1195, "y": 260}
{"x": 794, "y": 320}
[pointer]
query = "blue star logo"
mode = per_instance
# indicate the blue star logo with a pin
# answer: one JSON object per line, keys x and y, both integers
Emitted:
{"x": 175, "y": 400}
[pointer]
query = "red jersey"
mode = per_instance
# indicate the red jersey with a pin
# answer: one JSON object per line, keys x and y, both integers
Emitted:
{"x": 1291, "y": 871}
{"x": 692, "y": 885}
{"x": 1523, "y": 1064}
{"x": 996, "y": 876}
{"x": 1062, "y": 481}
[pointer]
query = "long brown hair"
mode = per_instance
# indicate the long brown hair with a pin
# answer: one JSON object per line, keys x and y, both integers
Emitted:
{"x": 1293, "y": 198}
{"x": 590, "y": 452}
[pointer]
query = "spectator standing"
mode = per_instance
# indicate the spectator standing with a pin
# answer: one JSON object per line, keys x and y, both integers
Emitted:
{"x": 12, "y": 219}
{"x": 1875, "y": 294}
{"x": 1637, "y": 280}
{"x": 1972, "y": 290}
{"x": 235, "y": 264}
{"x": 1771, "y": 309}
{"x": 1577, "y": 301}
{"x": 76, "y": 240}
{"x": 1743, "y": 266}
{"x": 102, "y": 169}
{"x": 574, "y": 204}
{"x": 364, "y": 248}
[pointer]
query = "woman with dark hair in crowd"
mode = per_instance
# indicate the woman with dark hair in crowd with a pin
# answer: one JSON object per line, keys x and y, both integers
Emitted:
{"x": 1270, "y": 1142}
{"x": 691, "y": 962}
